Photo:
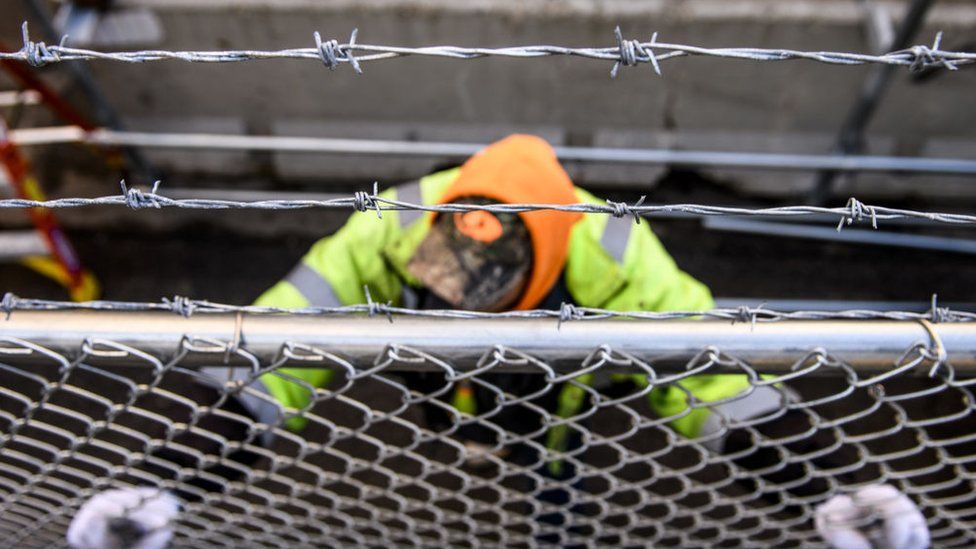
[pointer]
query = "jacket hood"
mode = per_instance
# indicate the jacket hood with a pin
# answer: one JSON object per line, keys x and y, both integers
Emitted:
{"x": 522, "y": 169}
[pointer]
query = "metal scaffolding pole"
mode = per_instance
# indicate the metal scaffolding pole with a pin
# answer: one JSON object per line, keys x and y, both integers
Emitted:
{"x": 15, "y": 245}
{"x": 104, "y": 113}
{"x": 19, "y": 98}
{"x": 872, "y": 237}
{"x": 329, "y": 145}
{"x": 851, "y": 136}
{"x": 869, "y": 346}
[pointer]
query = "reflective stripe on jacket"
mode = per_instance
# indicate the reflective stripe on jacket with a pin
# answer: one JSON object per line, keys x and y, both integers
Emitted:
{"x": 612, "y": 263}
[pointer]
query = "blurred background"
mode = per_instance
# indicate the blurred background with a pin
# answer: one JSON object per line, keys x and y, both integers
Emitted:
{"x": 699, "y": 104}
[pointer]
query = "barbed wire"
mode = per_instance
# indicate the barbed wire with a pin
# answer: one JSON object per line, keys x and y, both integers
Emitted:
{"x": 187, "y": 307}
{"x": 855, "y": 211}
{"x": 626, "y": 52}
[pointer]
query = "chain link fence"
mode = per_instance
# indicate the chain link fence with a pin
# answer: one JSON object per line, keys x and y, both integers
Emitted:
{"x": 572, "y": 427}
{"x": 383, "y": 455}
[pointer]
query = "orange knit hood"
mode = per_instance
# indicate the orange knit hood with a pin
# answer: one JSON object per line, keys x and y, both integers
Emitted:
{"x": 523, "y": 169}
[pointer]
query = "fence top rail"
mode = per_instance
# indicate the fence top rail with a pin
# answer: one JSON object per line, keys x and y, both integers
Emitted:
{"x": 626, "y": 52}
{"x": 876, "y": 345}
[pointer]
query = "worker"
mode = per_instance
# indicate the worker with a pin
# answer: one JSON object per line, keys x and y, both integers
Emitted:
{"x": 482, "y": 261}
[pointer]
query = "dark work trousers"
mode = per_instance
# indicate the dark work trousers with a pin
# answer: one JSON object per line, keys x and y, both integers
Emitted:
{"x": 514, "y": 419}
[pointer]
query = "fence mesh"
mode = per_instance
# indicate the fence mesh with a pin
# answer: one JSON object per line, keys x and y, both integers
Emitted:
{"x": 387, "y": 457}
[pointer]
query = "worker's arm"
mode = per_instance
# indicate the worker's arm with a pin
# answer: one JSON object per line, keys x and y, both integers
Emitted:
{"x": 337, "y": 268}
{"x": 653, "y": 282}
{"x": 726, "y": 400}
{"x": 333, "y": 273}
{"x": 628, "y": 258}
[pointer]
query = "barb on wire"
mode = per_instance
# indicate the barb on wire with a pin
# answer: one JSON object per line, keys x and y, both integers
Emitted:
{"x": 180, "y": 305}
{"x": 7, "y": 304}
{"x": 747, "y": 315}
{"x": 38, "y": 54}
{"x": 929, "y": 57}
{"x": 624, "y": 53}
{"x": 939, "y": 314}
{"x": 373, "y": 308}
{"x": 633, "y": 52}
{"x": 136, "y": 199}
{"x": 621, "y": 209}
{"x": 567, "y": 312}
{"x": 858, "y": 210}
{"x": 361, "y": 201}
{"x": 332, "y": 53}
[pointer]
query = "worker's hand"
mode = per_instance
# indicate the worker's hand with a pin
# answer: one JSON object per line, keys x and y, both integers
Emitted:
{"x": 135, "y": 518}
{"x": 875, "y": 516}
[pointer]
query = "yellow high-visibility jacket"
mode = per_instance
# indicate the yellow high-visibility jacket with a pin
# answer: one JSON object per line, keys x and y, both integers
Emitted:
{"x": 613, "y": 263}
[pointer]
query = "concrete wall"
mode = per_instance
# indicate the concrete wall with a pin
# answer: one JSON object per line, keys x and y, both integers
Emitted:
{"x": 699, "y": 103}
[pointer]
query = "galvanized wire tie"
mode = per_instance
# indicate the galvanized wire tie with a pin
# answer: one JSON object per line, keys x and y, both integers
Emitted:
{"x": 626, "y": 52}
{"x": 186, "y": 307}
{"x": 362, "y": 201}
